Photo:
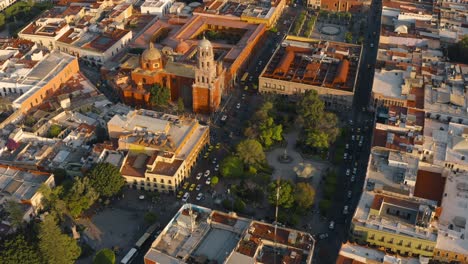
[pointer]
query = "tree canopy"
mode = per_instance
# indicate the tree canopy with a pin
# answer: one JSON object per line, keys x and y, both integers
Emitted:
{"x": 263, "y": 127}
{"x": 56, "y": 247}
{"x": 15, "y": 213}
{"x": 180, "y": 105}
{"x": 459, "y": 52}
{"x": 106, "y": 179}
{"x": 54, "y": 130}
{"x": 159, "y": 95}
{"x": 80, "y": 196}
{"x": 104, "y": 256}
{"x": 232, "y": 167}
{"x": 286, "y": 193}
{"x": 18, "y": 250}
{"x": 320, "y": 128}
{"x": 304, "y": 195}
{"x": 250, "y": 151}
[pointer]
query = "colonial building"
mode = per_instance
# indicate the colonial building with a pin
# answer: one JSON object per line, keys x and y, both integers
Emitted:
{"x": 200, "y": 83}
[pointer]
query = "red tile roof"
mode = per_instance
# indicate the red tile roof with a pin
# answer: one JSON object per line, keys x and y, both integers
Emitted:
{"x": 430, "y": 185}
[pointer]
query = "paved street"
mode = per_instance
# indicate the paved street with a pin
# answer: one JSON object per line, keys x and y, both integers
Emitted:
{"x": 360, "y": 119}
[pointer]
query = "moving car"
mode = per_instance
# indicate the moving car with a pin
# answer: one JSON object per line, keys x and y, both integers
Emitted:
{"x": 207, "y": 173}
{"x": 323, "y": 236}
{"x": 186, "y": 197}
{"x": 208, "y": 181}
{"x": 198, "y": 187}
{"x": 348, "y": 172}
{"x": 218, "y": 145}
{"x": 214, "y": 160}
{"x": 238, "y": 106}
{"x": 223, "y": 118}
{"x": 186, "y": 185}
{"x": 217, "y": 167}
{"x": 199, "y": 175}
{"x": 331, "y": 226}
{"x": 349, "y": 194}
{"x": 345, "y": 209}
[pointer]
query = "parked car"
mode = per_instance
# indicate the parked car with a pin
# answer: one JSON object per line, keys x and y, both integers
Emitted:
{"x": 180, "y": 194}
{"x": 353, "y": 178}
{"x": 186, "y": 197}
{"x": 238, "y": 106}
{"x": 198, "y": 187}
{"x": 223, "y": 118}
{"x": 348, "y": 172}
{"x": 208, "y": 181}
{"x": 192, "y": 187}
{"x": 347, "y": 146}
{"x": 214, "y": 160}
{"x": 199, "y": 196}
{"x": 354, "y": 170}
{"x": 199, "y": 175}
{"x": 216, "y": 167}
{"x": 331, "y": 226}
{"x": 186, "y": 185}
{"x": 207, "y": 173}
{"x": 349, "y": 194}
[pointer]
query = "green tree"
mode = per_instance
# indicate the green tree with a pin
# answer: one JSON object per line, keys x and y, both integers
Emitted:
{"x": 17, "y": 250}
{"x": 180, "y": 105}
{"x": 348, "y": 37}
{"x": 80, "y": 196}
{"x": 159, "y": 95}
{"x": 56, "y": 247}
{"x": 232, "y": 167}
{"x": 52, "y": 199}
{"x": 104, "y": 256}
{"x": 316, "y": 139}
{"x": 150, "y": 218}
{"x": 106, "y": 179}
{"x": 28, "y": 120}
{"x": 15, "y": 213}
{"x": 251, "y": 152}
{"x": 54, "y": 130}
{"x": 270, "y": 132}
{"x": 286, "y": 193}
{"x": 360, "y": 40}
{"x": 214, "y": 181}
{"x": 459, "y": 52}
{"x": 304, "y": 195}
{"x": 310, "y": 109}
{"x": 239, "y": 205}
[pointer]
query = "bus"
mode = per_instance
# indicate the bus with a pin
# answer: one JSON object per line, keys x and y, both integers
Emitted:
{"x": 244, "y": 77}
{"x": 129, "y": 257}
{"x": 142, "y": 240}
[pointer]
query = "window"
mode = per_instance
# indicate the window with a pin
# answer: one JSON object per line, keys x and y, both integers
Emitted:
{"x": 170, "y": 182}
{"x": 162, "y": 181}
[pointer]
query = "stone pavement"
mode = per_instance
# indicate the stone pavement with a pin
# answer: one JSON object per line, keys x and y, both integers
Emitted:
{"x": 287, "y": 170}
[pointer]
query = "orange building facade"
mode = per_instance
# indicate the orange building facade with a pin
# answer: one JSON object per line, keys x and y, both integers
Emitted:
{"x": 353, "y": 6}
{"x": 200, "y": 85}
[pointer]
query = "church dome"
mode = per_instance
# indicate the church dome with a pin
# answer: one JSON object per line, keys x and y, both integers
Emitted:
{"x": 204, "y": 43}
{"x": 151, "y": 53}
{"x": 183, "y": 47}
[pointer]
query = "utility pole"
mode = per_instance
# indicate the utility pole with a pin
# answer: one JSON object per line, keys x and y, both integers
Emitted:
{"x": 276, "y": 213}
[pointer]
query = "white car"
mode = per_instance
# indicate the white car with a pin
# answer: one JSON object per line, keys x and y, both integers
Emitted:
{"x": 353, "y": 178}
{"x": 331, "y": 226}
{"x": 223, "y": 118}
{"x": 354, "y": 170}
{"x": 238, "y": 106}
{"x": 208, "y": 181}
{"x": 353, "y": 138}
{"x": 199, "y": 175}
{"x": 347, "y": 146}
{"x": 186, "y": 197}
{"x": 199, "y": 196}
{"x": 345, "y": 209}
{"x": 214, "y": 160}
{"x": 345, "y": 156}
{"x": 207, "y": 173}
{"x": 217, "y": 167}
{"x": 348, "y": 172}
{"x": 372, "y": 45}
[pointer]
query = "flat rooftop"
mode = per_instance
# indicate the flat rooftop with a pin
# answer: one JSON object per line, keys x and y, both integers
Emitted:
{"x": 360, "y": 254}
{"x": 201, "y": 234}
{"x": 315, "y": 62}
{"x": 453, "y": 234}
{"x": 20, "y": 184}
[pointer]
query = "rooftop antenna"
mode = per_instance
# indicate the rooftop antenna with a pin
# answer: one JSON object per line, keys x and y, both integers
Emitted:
{"x": 276, "y": 214}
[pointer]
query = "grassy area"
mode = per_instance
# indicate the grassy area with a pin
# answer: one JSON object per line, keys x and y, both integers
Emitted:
{"x": 298, "y": 24}
{"x": 20, "y": 14}
{"x": 309, "y": 26}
